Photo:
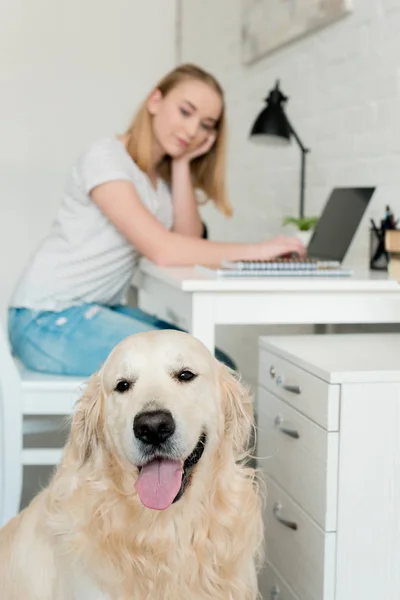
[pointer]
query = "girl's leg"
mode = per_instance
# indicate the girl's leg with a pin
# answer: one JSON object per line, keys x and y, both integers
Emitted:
{"x": 72, "y": 342}
{"x": 155, "y": 323}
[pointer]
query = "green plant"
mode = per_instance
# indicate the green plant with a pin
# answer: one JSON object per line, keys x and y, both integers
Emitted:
{"x": 302, "y": 223}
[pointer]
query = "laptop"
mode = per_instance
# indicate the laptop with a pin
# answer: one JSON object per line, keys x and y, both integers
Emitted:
{"x": 328, "y": 245}
{"x": 338, "y": 223}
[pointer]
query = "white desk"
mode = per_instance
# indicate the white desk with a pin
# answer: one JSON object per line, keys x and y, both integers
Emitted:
{"x": 197, "y": 302}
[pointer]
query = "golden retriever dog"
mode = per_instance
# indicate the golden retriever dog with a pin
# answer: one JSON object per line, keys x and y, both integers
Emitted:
{"x": 153, "y": 499}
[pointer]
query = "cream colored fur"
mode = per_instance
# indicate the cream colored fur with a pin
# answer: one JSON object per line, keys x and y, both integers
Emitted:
{"x": 88, "y": 537}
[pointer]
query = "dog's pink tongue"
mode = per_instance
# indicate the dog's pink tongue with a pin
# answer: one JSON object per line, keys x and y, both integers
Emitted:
{"x": 159, "y": 482}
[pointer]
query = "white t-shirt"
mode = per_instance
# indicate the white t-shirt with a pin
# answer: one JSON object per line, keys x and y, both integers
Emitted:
{"x": 85, "y": 259}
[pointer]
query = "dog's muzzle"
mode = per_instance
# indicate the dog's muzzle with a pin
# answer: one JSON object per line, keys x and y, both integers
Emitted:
{"x": 163, "y": 479}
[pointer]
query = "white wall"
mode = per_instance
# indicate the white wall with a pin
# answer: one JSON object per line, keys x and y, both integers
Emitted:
{"x": 344, "y": 88}
{"x": 70, "y": 72}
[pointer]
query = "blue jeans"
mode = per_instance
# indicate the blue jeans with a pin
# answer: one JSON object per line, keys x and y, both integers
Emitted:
{"x": 77, "y": 340}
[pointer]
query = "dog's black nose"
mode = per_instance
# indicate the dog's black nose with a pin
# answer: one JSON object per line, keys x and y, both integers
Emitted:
{"x": 154, "y": 428}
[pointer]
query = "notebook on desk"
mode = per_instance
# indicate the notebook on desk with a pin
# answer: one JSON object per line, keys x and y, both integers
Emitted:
{"x": 326, "y": 250}
{"x": 271, "y": 269}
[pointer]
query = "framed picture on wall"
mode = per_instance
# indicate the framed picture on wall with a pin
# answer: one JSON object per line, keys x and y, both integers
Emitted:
{"x": 269, "y": 24}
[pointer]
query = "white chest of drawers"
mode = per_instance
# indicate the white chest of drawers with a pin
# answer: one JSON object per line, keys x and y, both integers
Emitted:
{"x": 328, "y": 444}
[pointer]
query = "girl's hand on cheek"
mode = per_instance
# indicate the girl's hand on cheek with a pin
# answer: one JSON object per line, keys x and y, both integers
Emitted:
{"x": 202, "y": 149}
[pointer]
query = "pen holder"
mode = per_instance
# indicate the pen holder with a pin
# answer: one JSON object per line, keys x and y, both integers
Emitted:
{"x": 378, "y": 257}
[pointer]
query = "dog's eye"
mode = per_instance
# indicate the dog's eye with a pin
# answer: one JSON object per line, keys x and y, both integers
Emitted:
{"x": 122, "y": 386}
{"x": 185, "y": 375}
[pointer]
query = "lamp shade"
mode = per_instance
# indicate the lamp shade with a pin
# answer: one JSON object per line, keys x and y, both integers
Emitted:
{"x": 272, "y": 120}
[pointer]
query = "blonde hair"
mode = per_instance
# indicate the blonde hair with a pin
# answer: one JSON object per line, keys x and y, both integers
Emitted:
{"x": 207, "y": 171}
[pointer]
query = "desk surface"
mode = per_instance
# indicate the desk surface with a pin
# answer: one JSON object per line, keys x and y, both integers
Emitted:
{"x": 189, "y": 279}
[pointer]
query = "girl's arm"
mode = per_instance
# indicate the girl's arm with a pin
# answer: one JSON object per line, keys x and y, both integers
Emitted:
{"x": 187, "y": 219}
{"x": 120, "y": 203}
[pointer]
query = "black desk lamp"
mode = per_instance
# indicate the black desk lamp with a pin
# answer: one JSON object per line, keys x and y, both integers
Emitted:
{"x": 272, "y": 123}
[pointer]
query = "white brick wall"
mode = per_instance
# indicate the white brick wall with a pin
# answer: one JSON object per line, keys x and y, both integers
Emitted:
{"x": 343, "y": 84}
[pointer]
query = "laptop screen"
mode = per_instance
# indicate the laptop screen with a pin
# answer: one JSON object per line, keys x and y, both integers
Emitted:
{"x": 338, "y": 223}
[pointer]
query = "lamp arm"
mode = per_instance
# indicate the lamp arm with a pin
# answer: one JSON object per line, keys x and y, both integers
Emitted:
{"x": 304, "y": 152}
{"x": 302, "y": 182}
{"x": 298, "y": 140}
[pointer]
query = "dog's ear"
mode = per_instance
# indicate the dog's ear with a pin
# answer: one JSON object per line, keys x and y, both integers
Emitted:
{"x": 238, "y": 410}
{"x": 86, "y": 430}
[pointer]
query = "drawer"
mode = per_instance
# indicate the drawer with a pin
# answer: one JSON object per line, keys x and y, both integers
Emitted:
{"x": 310, "y": 395}
{"x": 272, "y": 587}
{"x": 297, "y": 548}
{"x": 300, "y": 456}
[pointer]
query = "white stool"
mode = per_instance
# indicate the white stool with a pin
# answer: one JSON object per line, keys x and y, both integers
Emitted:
{"x": 27, "y": 393}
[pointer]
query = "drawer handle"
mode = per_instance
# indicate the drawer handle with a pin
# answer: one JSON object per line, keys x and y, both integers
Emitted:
{"x": 293, "y": 433}
{"x": 277, "y": 514}
{"x": 275, "y": 593}
{"x": 293, "y": 389}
